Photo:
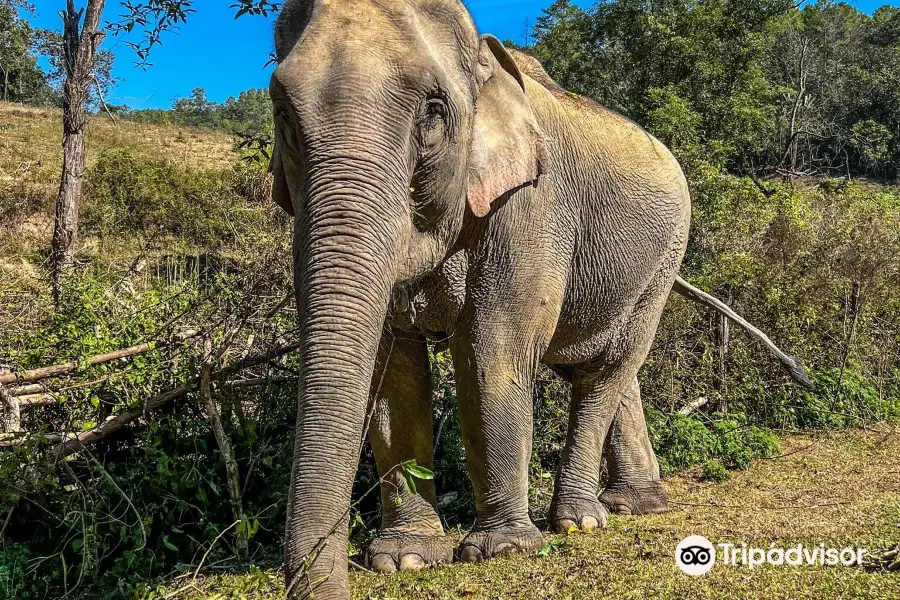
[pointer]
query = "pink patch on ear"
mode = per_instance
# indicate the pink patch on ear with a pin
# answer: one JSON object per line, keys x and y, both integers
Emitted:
{"x": 511, "y": 167}
{"x": 479, "y": 202}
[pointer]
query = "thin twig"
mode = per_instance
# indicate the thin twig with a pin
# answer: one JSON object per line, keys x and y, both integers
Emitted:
{"x": 205, "y": 554}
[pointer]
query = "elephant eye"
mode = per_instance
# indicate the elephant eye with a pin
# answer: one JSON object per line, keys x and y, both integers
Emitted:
{"x": 436, "y": 109}
{"x": 434, "y": 121}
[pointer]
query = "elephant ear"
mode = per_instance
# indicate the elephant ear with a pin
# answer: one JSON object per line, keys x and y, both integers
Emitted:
{"x": 281, "y": 192}
{"x": 508, "y": 148}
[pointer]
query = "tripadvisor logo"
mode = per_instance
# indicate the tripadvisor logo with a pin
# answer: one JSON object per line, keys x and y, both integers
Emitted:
{"x": 696, "y": 555}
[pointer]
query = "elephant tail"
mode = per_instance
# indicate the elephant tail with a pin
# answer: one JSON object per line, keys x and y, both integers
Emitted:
{"x": 792, "y": 364}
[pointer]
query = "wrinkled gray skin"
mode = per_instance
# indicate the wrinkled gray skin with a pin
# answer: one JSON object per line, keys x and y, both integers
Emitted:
{"x": 433, "y": 172}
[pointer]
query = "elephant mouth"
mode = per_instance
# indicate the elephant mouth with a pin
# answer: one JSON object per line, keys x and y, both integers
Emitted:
{"x": 402, "y": 306}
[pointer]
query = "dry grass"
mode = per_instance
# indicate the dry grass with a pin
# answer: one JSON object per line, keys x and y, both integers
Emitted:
{"x": 842, "y": 489}
{"x": 31, "y": 138}
{"x": 30, "y": 163}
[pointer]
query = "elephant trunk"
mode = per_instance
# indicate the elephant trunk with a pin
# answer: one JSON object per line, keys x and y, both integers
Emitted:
{"x": 346, "y": 243}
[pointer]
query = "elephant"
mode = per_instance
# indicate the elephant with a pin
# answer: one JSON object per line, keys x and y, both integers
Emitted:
{"x": 443, "y": 187}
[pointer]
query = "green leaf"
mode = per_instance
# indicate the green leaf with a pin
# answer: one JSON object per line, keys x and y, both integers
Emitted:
{"x": 169, "y": 544}
{"x": 411, "y": 468}
{"x": 410, "y": 482}
{"x": 77, "y": 543}
{"x": 88, "y": 425}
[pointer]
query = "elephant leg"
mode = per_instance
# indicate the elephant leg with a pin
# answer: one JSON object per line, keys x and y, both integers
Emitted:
{"x": 494, "y": 394}
{"x": 411, "y": 535}
{"x": 607, "y": 415}
{"x": 634, "y": 485}
{"x": 595, "y": 395}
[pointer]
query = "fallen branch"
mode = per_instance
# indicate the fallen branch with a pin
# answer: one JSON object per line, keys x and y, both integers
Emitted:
{"x": 693, "y": 406}
{"x": 119, "y": 421}
{"x": 258, "y": 381}
{"x": 232, "y": 473}
{"x": 20, "y": 438}
{"x": 24, "y": 390}
{"x": 36, "y": 400}
{"x": 42, "y": 388}
{"x": 71, "y": 367}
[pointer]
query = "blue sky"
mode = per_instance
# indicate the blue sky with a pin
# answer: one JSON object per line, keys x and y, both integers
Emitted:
{"x": 224, "y": 56}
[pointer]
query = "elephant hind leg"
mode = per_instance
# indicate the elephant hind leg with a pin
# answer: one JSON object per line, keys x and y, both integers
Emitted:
{"x": 607, "y": 416}
{"x": 633, "y": 484}
{"x": 411, "y": 535}
{"x": 594, "y": 404}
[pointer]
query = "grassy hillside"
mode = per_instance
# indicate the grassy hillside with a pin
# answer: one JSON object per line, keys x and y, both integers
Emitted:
{"x": 836, "y": 489}
{"x": 30, "y": 162}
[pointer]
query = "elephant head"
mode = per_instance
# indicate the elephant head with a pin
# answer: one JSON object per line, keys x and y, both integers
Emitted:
{"x": 395, "y": 123}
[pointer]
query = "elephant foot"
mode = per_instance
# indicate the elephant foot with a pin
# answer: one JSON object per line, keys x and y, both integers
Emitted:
{"x": 481, "y": 545}
{"x": 647, "y": 499}
{"x": 585, "y": 514}
{"x": 413, "y": 552}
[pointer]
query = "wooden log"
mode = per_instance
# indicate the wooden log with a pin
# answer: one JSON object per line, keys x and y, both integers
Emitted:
{"x": 71, "y": 367}
{"x": 37, "y": 400}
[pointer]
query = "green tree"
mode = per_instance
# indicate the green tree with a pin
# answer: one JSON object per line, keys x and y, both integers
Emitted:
{"x": 21, "y": 79}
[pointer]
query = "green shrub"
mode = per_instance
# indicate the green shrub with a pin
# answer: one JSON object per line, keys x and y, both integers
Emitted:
{"x": 713, "y": 470}
{"x": 15, "y": 582}
{"x": 130, "y": 194}
{"x": 681, "y": 442}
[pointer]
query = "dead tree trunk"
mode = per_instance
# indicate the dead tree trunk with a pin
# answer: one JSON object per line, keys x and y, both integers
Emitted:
{"x": 10, "y": 414}
{"x": 80, "y": 43}
{"x": 723, "y": 341}
{"x": 5, "y": 82}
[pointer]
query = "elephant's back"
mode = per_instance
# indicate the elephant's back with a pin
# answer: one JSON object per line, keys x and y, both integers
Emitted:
{"x": 598, "y": 138}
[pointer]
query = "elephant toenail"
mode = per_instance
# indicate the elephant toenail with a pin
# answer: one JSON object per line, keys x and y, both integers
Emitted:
{"x": 470, "y": 554}
{"x": 383, "y": 563}
{"x": 412, "y": 562}
{"x": 564, "y": 525}
{"x": 589, "y": 523}
{"x": 504, "y": 549}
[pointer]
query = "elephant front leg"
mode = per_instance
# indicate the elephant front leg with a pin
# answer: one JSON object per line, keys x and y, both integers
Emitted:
{"x": 494, "y": 394}
{"x": 411, "y": 535}
{"x": 633, "y": 485}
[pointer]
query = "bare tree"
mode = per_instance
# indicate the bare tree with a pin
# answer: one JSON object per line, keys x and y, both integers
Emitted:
{"x": 80, "y": 44}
